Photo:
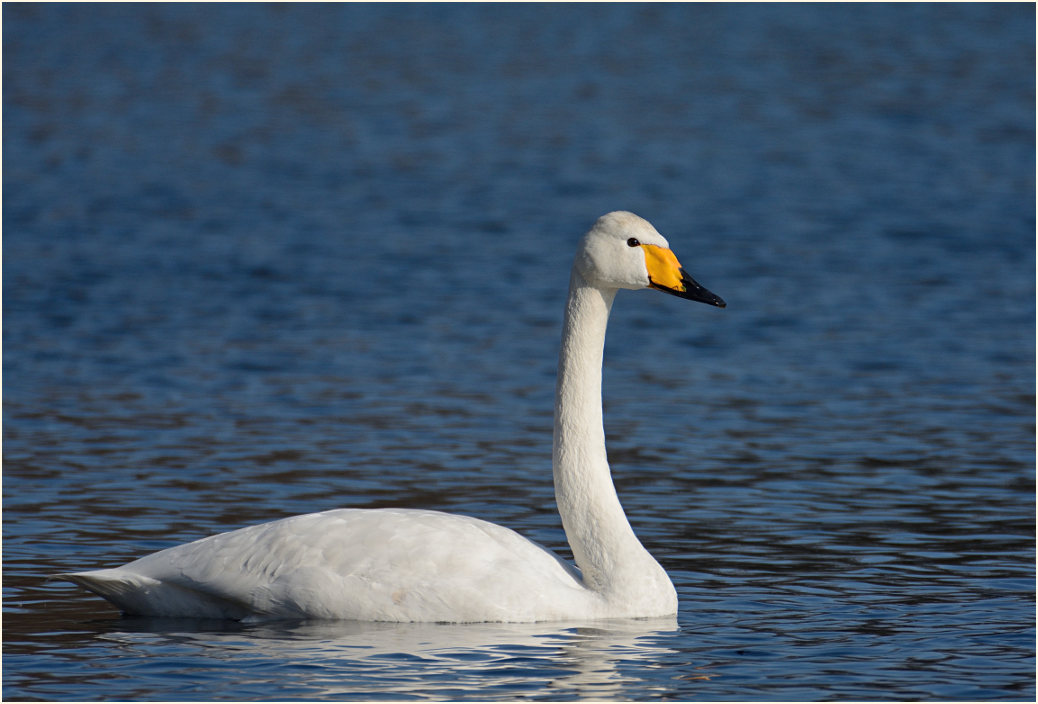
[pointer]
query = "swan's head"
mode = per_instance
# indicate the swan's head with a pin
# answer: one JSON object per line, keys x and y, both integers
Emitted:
{"x": 623, "y": 250}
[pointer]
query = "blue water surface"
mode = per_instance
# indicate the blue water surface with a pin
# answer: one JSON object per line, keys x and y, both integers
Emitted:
{"x": 261, "y": 260}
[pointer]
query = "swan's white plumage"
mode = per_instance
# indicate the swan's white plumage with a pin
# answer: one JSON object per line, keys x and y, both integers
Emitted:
{"x": 415, "y": 565}
{"x": 376, "y": 564}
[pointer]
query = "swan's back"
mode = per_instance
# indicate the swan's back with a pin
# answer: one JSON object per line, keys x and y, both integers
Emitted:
{"x": 383, "y": 564}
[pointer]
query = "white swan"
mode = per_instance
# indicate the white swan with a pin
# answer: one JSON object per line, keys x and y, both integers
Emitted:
{"x": 415, "y": 565}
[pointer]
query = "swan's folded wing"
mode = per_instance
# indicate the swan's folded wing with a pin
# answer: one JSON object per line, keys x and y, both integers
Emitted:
{"x": 387, "y": 564}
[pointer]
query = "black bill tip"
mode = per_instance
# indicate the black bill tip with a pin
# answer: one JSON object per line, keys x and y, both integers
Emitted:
{"x": 693, "y": 291}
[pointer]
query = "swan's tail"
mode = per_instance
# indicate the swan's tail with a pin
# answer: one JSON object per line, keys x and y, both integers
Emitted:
{"x": 138, "y": 595}
{"x": 126, "y": 590}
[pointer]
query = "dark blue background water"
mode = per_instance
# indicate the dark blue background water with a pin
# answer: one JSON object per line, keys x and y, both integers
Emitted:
{"x": 266, "y": 260}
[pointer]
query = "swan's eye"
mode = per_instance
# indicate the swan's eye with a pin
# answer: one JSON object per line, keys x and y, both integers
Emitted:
{"x": 633, "y": 242}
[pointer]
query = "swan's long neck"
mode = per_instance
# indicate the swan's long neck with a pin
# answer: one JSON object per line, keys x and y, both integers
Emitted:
{"x": 607, "y": 551}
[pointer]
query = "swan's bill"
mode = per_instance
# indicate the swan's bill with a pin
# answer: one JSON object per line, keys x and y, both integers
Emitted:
{"x": 666, "y": 274}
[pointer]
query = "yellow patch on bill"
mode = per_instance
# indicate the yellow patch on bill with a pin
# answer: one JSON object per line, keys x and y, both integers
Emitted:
{"x": 663, "y": 266}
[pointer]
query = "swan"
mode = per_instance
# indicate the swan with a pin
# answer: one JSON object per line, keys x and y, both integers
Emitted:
{"x": 411, "y": 565}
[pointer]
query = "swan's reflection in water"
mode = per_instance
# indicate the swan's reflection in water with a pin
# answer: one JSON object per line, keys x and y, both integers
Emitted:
{"x": 591, "y": 659}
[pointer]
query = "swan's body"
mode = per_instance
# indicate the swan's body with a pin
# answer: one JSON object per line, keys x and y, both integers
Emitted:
{"x": 413, "y": 565}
